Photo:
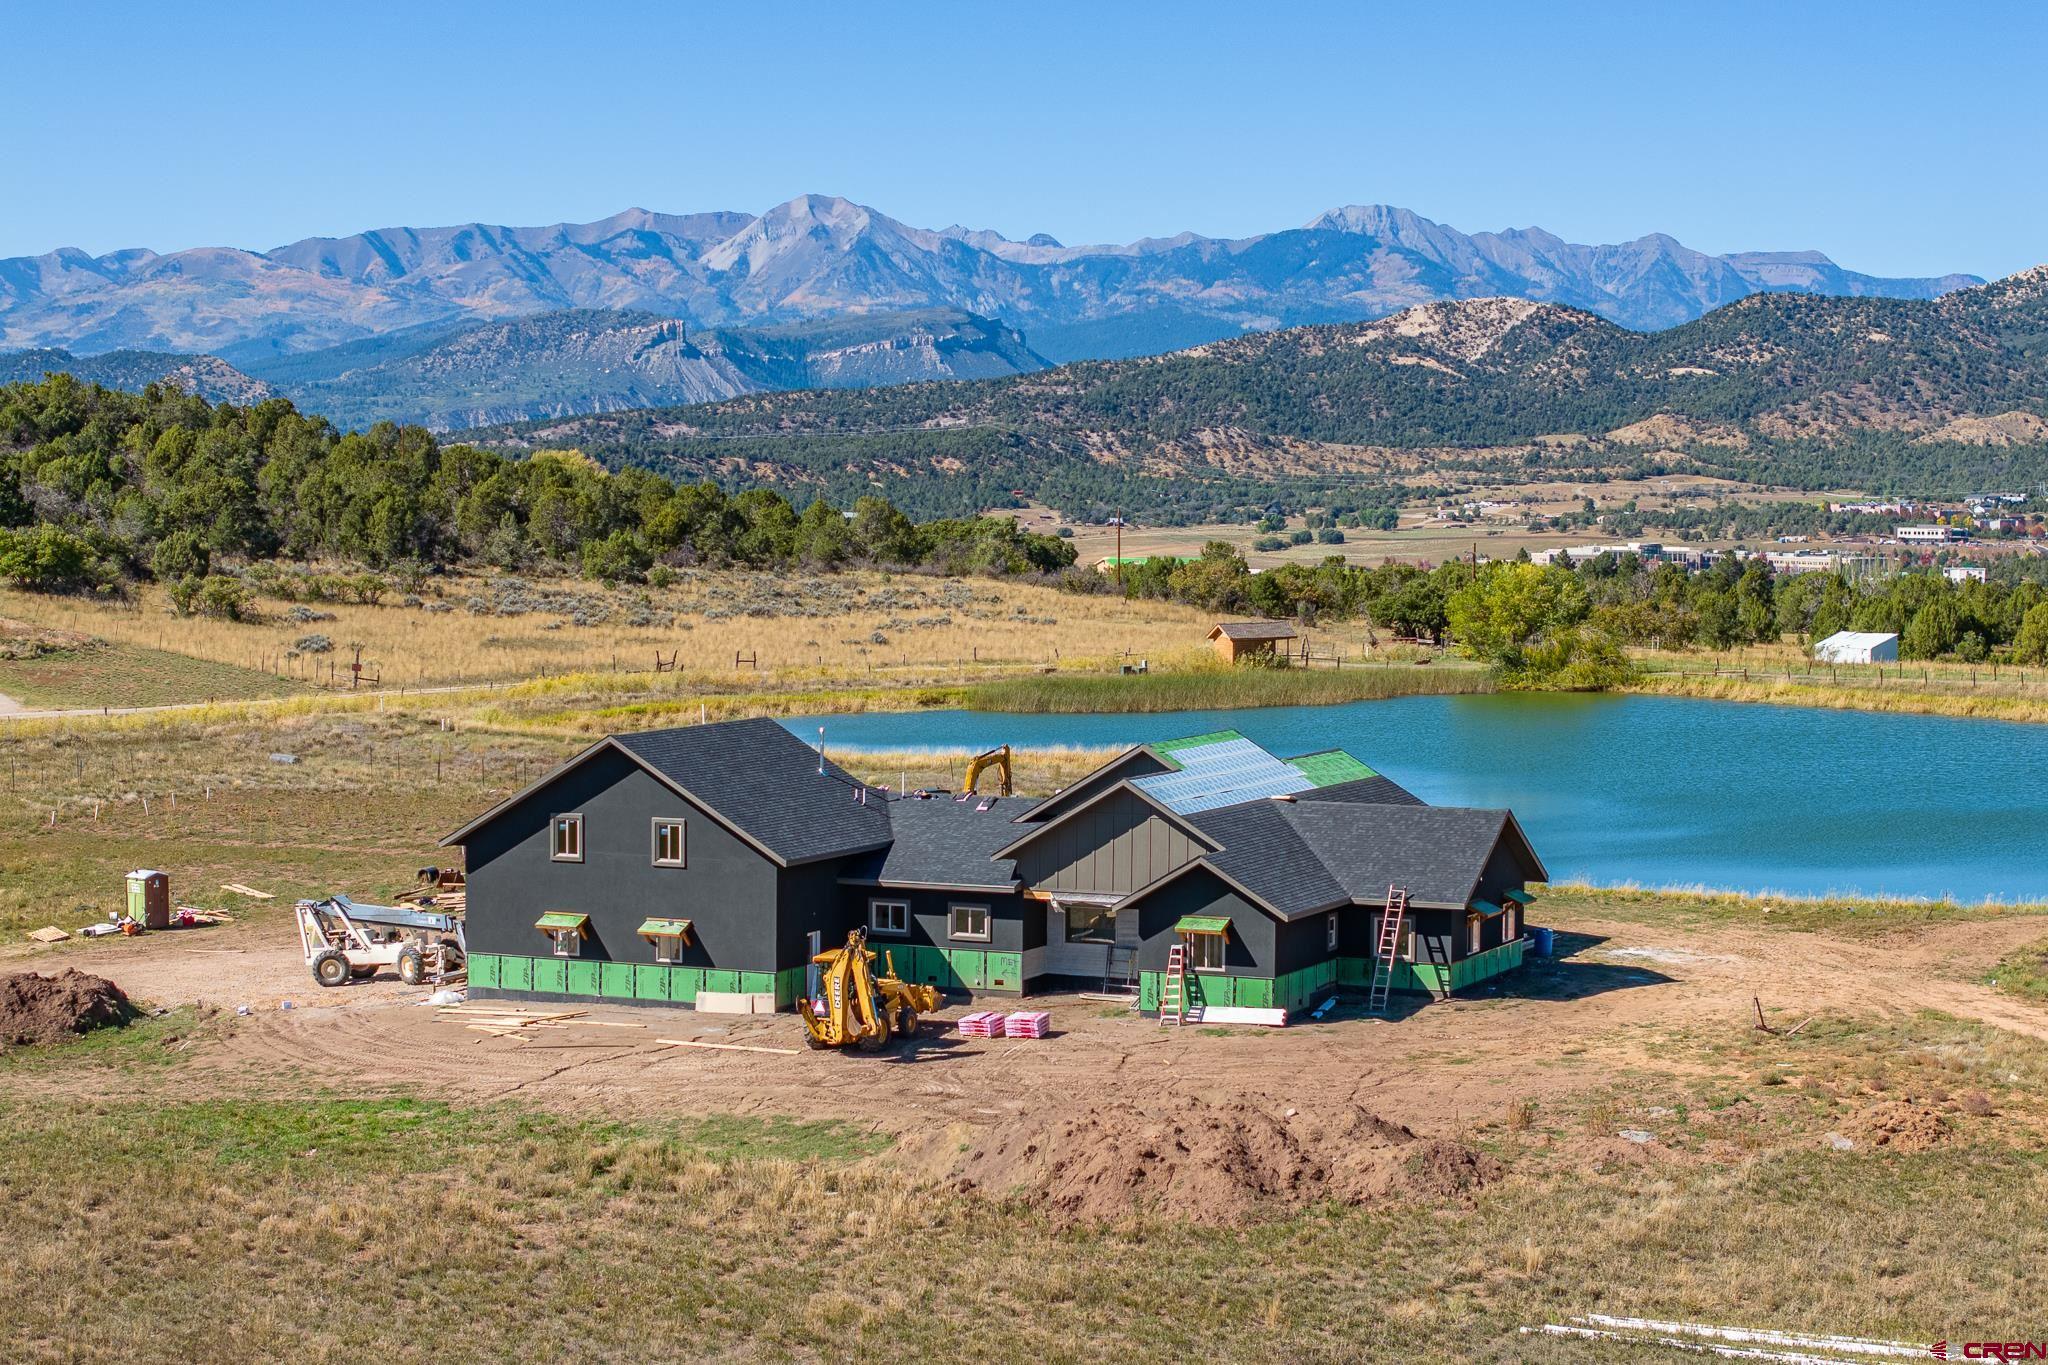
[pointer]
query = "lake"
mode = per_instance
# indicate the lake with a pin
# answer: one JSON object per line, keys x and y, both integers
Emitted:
{"x": 1662, "y": 791}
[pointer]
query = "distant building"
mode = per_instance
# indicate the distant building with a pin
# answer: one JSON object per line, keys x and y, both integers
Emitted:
{"x": 1824, "y": 561}
{"x": 1927, "y": 535}
{"x": 1111, "y": 563}
{"x": 1235, "y": 641}
{"x": 1963, "y": 573}
{"x": 1857, "y": 647}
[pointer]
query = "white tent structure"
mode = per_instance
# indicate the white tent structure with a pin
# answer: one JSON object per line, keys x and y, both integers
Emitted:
{"x": 1857, "y": 647}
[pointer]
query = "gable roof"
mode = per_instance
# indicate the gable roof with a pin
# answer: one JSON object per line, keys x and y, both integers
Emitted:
{"x": 1298, "y": 858}
{"x": 1858, "y": 639}
{"x": 1253, "y": 630}
{"x": 754, "y": 777}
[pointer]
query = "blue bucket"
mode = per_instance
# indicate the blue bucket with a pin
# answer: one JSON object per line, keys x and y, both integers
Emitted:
{"x": 1542, "y": 940}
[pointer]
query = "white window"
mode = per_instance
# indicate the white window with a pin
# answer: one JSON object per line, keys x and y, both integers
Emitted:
{"x": 888, "y": 917}
{"x": 1205, "y": 952}
{"x": 1511, "y": 923}
{"x": 568, "y": 942}
{"x": 968, "y": 922}
{"x": 1475, "y": 926}
{"x": 1330, "y": 933}
{"x": 668, "y": 843}
{"x": 668, "y": 948}
{"x": 567, "y": 845}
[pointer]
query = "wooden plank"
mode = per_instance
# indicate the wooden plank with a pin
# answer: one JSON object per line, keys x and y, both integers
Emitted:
{"x": 727, "y": 1047}
{"x": 250, "y": 891}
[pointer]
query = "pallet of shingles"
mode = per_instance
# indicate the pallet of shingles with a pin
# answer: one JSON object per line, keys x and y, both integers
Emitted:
{"x": 982, "y": 1024}
{"x": 1027, "y": 1024}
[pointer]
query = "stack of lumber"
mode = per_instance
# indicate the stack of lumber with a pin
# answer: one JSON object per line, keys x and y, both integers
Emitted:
{"x": 1027, "y": 1024}
{"x": 507, "y": 1021}
{"x": 982, "y": 1024}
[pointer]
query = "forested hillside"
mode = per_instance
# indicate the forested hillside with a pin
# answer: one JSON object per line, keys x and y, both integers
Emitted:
{"x": 1897, "y": 395}
{"x": 97, "y": 486}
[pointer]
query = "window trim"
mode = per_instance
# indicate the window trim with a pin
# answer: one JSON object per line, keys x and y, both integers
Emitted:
{"x": 875, "y": 926}
{"x": 1476, "y": 929}
{"x": 682, "y": 858}
{"x": 988, "y": 924}
{"x": 1204, "y": 942}
{"x": 568, "y": 942}
{"x": 1511, "y": 927}
{"x": 1330, "y": 932}
{"x": 668, "y": 956}
{"x": 555, "y": 823}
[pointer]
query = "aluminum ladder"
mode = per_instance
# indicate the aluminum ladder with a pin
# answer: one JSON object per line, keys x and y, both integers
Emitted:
{"x": 1385, "y": 949}
{"x": 1173, "y": 987}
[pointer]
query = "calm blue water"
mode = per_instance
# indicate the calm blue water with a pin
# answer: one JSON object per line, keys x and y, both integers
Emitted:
{"x": 1661, "y": 791}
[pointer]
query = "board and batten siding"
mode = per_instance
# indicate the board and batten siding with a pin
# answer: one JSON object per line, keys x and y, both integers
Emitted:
{"x": 1115, "y": 846}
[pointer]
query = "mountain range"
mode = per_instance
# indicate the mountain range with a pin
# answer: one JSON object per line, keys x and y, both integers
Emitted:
{"x": 562, "y": 363}
{"x": 823, "y": 258}
{"x": 1920, "y": 396}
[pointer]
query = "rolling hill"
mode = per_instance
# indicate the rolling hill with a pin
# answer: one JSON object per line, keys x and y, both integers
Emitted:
{"x": 1924, "y": 396}
{"x": 822, "y": 258}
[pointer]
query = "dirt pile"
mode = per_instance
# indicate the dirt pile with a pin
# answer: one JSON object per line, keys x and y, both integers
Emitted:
{"x": 43, "y": 1009}
{"x": 1899, "y": 1126}
{"x": 1218, "y": 1164}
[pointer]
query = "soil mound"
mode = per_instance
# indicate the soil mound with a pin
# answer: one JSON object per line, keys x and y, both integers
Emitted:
{"x": 42, "y": 1009}
{"x": 1899, "y": 1126}
{"x": 1218, "y": 1164}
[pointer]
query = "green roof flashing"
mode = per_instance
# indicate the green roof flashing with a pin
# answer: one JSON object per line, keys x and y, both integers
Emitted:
{"x": 665, "y": 928}
{"x": 561, "y": 919}
{"x": 1330, "y": 767}
{"x": 1203, "y": 924}
{"x": 1486, "y": 908}
{"x": 1518, "y": 895}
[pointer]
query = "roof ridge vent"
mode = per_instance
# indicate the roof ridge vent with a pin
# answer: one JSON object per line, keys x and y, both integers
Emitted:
{"x": 1281, "y": 796}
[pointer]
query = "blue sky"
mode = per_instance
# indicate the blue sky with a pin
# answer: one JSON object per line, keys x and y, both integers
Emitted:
{"x": 1899, "y": 139}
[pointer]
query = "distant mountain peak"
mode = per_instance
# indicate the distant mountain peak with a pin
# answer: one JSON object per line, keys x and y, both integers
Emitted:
{"x": 823, "y": 256}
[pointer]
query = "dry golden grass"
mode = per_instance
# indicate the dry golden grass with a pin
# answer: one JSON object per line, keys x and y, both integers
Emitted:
{"x": 843, "y": 624}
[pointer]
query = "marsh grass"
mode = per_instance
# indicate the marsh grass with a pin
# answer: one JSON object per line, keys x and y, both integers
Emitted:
{"x": 1216, "y": 688}
{"x": 1848, "y": 915}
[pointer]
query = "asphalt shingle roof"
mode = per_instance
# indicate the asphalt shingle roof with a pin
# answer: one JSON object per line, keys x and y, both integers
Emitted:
{"x": 765, "y": 782}
{"x": 943, "y": 842}
{"x": 1377, "y": 790}
{"x": 1301, "y": 856}
{"x": 1254, "y": 630}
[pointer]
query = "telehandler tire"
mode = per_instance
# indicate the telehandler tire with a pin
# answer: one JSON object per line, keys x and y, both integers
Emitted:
{"x": 330, "y": 967}
{"x": 412, "y": 967}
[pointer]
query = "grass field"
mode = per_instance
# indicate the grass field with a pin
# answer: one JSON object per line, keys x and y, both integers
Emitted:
{"x": 106, "y": 674}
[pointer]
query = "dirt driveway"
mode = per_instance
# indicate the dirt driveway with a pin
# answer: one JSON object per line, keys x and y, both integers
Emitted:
{"x": 1555, "y": 1027}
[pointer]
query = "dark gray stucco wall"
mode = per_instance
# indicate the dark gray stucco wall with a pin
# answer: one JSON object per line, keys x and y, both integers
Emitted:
{"x": 727, "y": 887}
{"x": 1012, "y": 920}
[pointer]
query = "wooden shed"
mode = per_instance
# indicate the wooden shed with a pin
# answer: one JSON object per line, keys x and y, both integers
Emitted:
{"x": 1236, "y": 640}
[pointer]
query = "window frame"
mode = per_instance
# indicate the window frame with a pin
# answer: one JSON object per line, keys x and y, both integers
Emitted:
{"x": 1330, "y": 932}
{"x": 1101, "y": 929}
{"x": 988, "y": 923}
{"x": 665, "y": 955}
{"x": 1208, "y": 944}
{"x": 568, "y": 942}
{"x": 556, "y": 824}
{"x": 875, "y": 926}
{"x": 1476, "y": 930}
{"x": 681, "y": 859}
{"x": 1511, "y": 927}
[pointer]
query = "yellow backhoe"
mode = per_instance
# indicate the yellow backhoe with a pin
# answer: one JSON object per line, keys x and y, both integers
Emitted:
{"x": 857, "y": 1008}
{"x": 999, "y": 759}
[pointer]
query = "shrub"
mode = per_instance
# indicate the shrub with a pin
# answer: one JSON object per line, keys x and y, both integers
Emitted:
{"x": 313, "y": 644}
{"x": 49, "y": 559}
{"x": 1329, "y": 535}
{"x": 181, "y": 554}
{"x": 1269, "y": 543}
{"x": 216, "y": 595}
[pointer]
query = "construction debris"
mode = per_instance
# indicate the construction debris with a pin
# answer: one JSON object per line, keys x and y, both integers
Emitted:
{"x": 727, "y": 1047}
{"x": 248, "y": 891}
{"x": 49, "y": 933}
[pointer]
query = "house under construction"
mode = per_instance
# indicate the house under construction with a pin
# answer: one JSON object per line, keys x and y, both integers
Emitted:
{"x": 1205, "y": 875}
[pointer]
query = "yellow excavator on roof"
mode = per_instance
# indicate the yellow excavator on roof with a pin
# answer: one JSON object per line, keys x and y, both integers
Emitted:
{"x": 999, "y": 759}
{"x": 857, "y": 1008}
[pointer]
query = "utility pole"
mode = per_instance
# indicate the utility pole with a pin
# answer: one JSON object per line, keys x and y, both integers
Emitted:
{"x": 1119, "y": 560}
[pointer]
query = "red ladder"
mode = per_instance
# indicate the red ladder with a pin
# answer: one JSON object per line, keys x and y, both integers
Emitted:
{"x": 1388, "y": 946}
{"x": 1173, "y": 987}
